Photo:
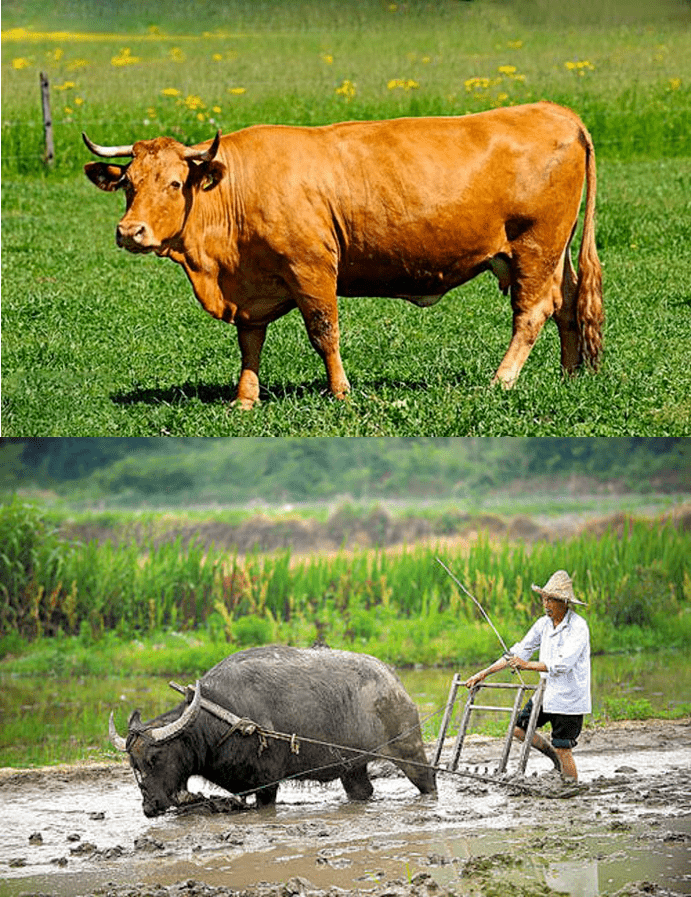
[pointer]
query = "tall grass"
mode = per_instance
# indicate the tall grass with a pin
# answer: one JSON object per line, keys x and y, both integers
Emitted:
{"x": 399, "y": 605}
{"x": 316, "y": 63}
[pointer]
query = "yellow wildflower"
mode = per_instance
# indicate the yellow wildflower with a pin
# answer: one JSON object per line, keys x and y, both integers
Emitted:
{"x": 476, "y": 84}
{"x": 170, "y": 92}
{"x": 502, "y": 97}
{"x": 79, "y": 101}
{"x": 402, "y": 84}
{"x": 216, "y": 109}
{"x": 347, "y": 89}
{"x": 515, "y": 44}
{"x": 217, "y": 57}
{"x": 194, "y": 102}
{"x": 68, "y": 111}
{"x": 674, "y": 83}
{"x": 236, "y": 90}
{"x": 76, "y": 64}
{"x": 177, "y": 55}
{"x": 124, "y": 57}
{"x": 580, "y": 66}
{"x": 57, "y": 54}
{"x": 20, "y": 63}
{"x": 507, "y": 69}
{"x": 66, "y": 85}
{"x": 327, "y": 58}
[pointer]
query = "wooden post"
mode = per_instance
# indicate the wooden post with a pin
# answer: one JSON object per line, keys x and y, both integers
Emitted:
{"x": 47, "y": 120}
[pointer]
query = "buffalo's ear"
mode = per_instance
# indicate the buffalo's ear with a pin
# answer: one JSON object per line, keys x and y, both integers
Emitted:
{"x": 106, "y": 177}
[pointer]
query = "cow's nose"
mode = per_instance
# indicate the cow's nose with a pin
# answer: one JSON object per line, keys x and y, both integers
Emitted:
{"x": 133, "y": 234}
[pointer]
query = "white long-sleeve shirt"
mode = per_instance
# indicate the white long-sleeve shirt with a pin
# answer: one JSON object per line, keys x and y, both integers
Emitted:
{"x": 565, "y": 651}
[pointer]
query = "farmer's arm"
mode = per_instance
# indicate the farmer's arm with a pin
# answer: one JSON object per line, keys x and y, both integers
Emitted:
{"x": 498, "y": 665}
{"x": 519, "y": 657}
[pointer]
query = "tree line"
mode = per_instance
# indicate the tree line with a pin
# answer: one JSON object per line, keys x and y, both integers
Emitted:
{"x": 294, "y": 469}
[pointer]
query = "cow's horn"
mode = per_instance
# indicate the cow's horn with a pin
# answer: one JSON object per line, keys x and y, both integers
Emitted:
{"x": 163, "y": 733}
{"x": 117, "y": 740}
{"x": 197, "y": 155}
{"x": 108, "y": 152}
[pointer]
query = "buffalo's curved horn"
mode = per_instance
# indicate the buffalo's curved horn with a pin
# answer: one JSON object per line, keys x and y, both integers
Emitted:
{"x": 108, "y": 152}
{"x": 116, "y": 740}
{"x": 207, "y": 155}
{"x": 190, "y": 713}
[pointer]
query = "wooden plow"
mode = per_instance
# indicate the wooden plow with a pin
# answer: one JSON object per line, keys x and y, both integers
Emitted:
{"x": 471, "y": 705}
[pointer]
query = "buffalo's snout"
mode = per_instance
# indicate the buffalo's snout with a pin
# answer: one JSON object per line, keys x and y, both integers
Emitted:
{"x": 135, "y": 236}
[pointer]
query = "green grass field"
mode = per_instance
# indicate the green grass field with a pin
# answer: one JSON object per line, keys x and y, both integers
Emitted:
{"x": 99, "y": 342}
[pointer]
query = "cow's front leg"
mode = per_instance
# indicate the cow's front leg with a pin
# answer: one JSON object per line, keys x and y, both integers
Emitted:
{"x": 321, "y": 320}
{"x": 251, "y": 340}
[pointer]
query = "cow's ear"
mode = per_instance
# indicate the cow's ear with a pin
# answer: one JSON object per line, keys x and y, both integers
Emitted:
{"x": 105, "y": 176}
{"x": 210, "y": 173}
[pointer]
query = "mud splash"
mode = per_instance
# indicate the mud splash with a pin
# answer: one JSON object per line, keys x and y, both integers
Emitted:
{"x": 80, "y": 830}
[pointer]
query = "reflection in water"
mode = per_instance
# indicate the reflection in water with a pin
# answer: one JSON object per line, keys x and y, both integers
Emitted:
{"x": 578, "y": 878}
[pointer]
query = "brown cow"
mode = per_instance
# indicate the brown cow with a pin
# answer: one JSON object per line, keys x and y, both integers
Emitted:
{"x": 272, "y": 218}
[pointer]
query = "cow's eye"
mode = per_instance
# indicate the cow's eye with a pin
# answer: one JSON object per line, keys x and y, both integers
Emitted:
{"x": 176, "y": 185}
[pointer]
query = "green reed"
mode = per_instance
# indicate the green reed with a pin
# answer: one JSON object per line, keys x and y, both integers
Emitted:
{"x": 399, "y": 604}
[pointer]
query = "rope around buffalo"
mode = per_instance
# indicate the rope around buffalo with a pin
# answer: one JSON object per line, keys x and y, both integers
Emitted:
{"x": 295, "y": 740}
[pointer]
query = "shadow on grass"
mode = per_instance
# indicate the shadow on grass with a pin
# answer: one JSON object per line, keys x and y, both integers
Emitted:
{"x": 215, "y": 393}
{"x": 210, "y": 393}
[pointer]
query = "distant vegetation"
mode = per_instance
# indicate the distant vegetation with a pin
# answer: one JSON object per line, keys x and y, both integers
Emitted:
{"x": 401, "y": 606}
{"x": 156, "y": 471}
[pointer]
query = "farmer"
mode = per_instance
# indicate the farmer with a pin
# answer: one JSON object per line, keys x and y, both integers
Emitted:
{"x": 564, "y": 642}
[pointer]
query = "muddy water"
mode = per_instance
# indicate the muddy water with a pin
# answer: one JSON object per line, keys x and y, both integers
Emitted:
{"x": 629, "y": 821}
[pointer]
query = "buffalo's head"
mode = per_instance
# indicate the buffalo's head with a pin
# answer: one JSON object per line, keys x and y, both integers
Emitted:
{"x": 159, "y": 183}
{"x": 159, "y": 755}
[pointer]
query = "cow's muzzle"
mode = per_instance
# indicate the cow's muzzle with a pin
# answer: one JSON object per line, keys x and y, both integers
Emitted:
{"x": 135, "y": 237}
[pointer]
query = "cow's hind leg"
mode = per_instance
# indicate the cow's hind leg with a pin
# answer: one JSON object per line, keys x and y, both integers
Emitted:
{"x": 357, "y": 783}
{"x": 566, "y": 313}
{"x": 532, "y": 300}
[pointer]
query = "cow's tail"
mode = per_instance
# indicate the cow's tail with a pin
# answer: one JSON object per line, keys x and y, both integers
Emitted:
{"x": 589, "y": 308}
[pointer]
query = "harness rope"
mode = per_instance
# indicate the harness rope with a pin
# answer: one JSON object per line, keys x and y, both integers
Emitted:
{"x": 248, "y": 727}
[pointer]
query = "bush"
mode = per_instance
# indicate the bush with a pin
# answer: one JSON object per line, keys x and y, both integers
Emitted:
{"x": 252, "y": 630}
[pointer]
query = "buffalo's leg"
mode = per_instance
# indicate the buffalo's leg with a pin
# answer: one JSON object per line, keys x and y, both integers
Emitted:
{"x": 357, "y": 783}
{"x": 267, "y": 796}
{"x": 251, "y": 340}
{"x": 321, "y": 320}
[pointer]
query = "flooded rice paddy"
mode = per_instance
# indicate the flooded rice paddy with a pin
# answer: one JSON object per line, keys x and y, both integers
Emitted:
{"x": 77, "y": 830}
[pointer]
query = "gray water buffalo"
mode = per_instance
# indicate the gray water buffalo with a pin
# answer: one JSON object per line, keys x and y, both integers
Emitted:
{"x": 345, "y": 699}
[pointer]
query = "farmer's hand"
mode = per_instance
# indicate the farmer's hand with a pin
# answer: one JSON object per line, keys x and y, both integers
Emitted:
{"x": 476, "y": 679}
{"x": 517, "y": 663}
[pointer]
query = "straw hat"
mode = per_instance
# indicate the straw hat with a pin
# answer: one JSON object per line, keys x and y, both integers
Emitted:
{"x": 559, "y": 586}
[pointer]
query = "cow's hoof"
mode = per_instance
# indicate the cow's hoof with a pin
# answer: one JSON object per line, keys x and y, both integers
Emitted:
{"x": 244, "y": 404}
